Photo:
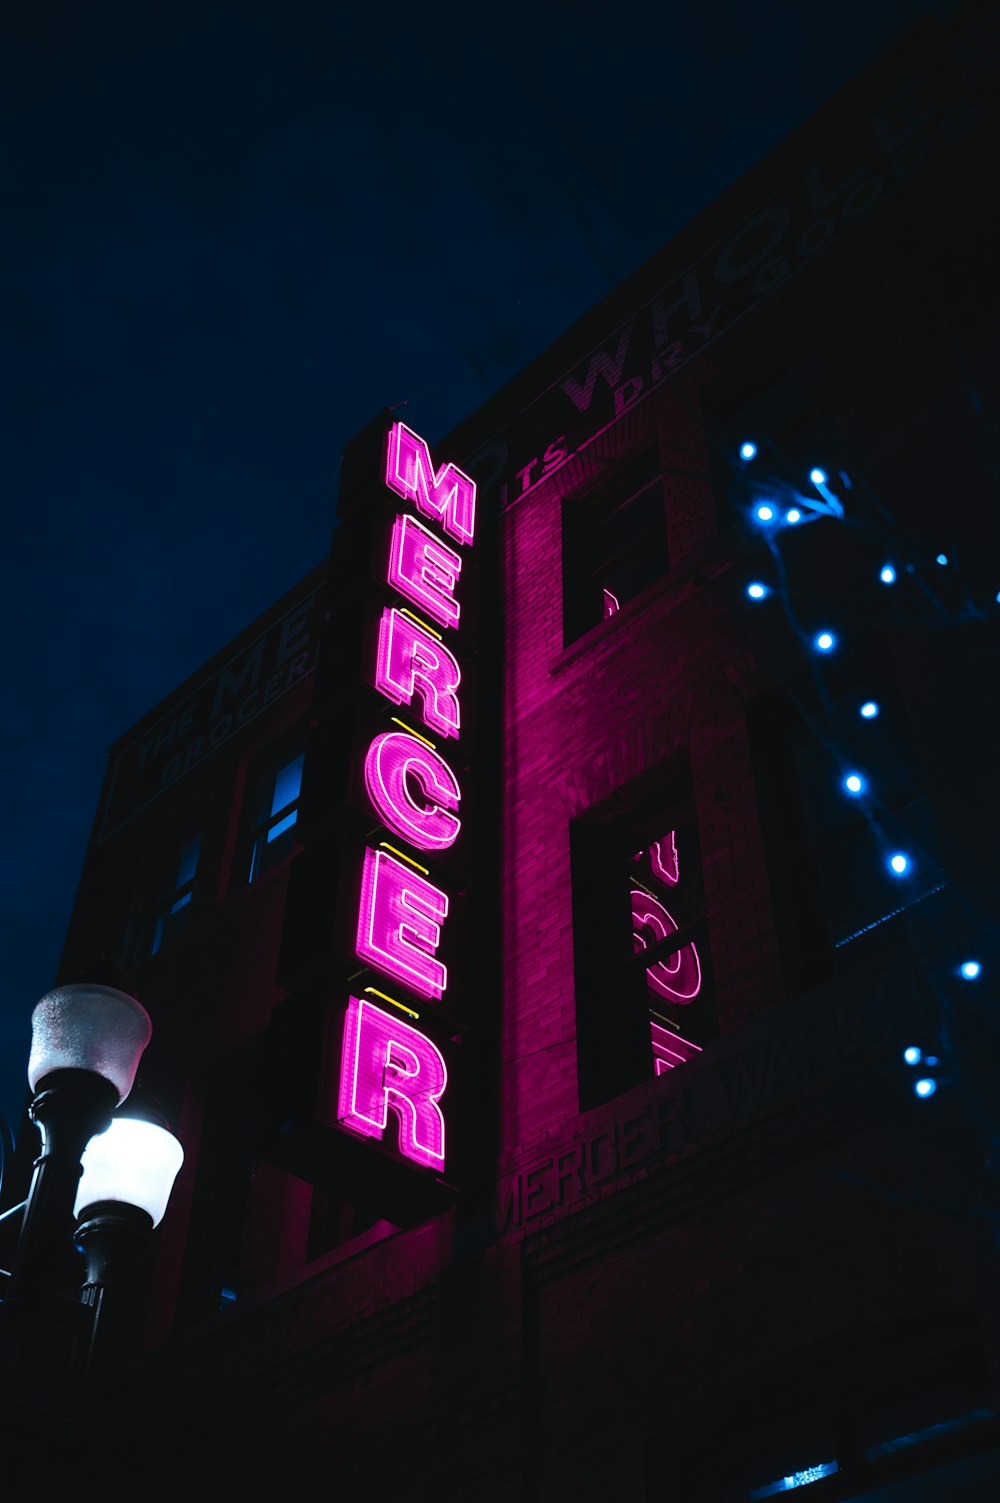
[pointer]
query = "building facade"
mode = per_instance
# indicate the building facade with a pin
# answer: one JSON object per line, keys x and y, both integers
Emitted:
{"x": 534, "y": 906}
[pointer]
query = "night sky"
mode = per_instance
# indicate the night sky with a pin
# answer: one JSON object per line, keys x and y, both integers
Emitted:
{"x": 232, "y": 234}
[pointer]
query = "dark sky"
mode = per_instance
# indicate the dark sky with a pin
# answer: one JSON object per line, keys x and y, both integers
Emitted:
{"x": 233, "y": 233}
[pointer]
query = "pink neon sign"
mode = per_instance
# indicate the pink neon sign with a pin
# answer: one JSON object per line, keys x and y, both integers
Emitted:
{"x": 447, "y": 494}
{"x": 412, "y": 662}
{"x": 388, "y": 1066}
{"x": 399, "y": 923}
{"x": 424, "y": 570}
{"x": 678, "y": 978}
{"x": 395, "y": 762}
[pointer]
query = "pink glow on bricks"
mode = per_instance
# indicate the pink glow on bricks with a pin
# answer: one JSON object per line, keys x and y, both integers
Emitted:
{"x": 394, "y": 763}
{"x": 447, "y": 496}
{"x": 387, "y": 1065}
{"x": 424, "y": 570}
{"x": 399, "y": 923}
{"x": 411, "y": 662}
{"x": 678, "y": 978}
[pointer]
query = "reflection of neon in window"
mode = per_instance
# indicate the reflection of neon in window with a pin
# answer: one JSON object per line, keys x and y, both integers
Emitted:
{"x": 663, "y": 860}
{"x": 410, "y": 662}
{"x": 424, "y": 570}
{"x": 387, "y": 1065}
{"x": 395, "y": 758}
{"x": 669, "y": 1049}
{"x": 678, "y": 977}
{"x": 399, "y": 923}
{"x": 611, "y": 604}
{"x": 446, "y": 494}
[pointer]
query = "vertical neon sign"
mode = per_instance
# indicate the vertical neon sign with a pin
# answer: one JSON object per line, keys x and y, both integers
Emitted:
{"x": 388, "y": 1065}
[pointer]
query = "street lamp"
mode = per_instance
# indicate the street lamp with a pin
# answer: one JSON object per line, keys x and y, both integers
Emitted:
{"x": 111, "y": 1173}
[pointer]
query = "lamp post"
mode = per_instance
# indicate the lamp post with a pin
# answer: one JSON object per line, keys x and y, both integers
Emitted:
{"x": 109, "y": 1172}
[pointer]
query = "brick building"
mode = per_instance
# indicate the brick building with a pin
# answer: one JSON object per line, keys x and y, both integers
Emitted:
{"x": 670, "y": 1220}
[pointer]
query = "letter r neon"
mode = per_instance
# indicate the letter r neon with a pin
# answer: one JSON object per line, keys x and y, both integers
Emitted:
{"x": 410, "y": 661}
{"x": 387, "y": 1065}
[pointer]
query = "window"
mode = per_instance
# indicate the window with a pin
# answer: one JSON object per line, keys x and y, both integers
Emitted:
{"x": 643, "y": 984}
{"x": 614, "y": 542}
{"x": 174, "y": 896}
{"x": 275, "y": 815}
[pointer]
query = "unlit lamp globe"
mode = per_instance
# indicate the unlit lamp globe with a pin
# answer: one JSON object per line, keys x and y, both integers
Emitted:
{"x": 85, "y": 1027}
{"x": 134, "y": 1163}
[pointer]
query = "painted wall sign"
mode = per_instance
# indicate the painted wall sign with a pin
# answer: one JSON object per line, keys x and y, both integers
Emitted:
{"x": 222, "y": 705}
{"x": 388, "y": 1063}
{"x": 746, "y": 265}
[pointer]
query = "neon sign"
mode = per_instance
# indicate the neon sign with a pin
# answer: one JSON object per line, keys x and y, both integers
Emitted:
{"x": 388, "y": 1065}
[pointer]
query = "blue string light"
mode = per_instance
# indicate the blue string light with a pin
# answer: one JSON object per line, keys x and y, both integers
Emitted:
{"x": 912, "y": 1054}
{"x": 817, "y": 476}
{"x": 942, "y": 559}
{"x": 758, "y": 591}
{"x": 854, "y": 783}
{"x": 764, "y": 513}
{"x": 887, "y": 574}
{"x": 824, "y": 641}
{"x": 792, "y": 516}
{"x": 748, "y": 450}
{"x": 868, "y": 710}
{"x": 970, "y": 970}
{"x": 899, "y": 863}
{"x": 925, "y": 1087}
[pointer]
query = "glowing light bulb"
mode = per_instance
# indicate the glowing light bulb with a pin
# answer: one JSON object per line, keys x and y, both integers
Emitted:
{"x": 970, "y": 969}
{"x": 825, "y": 641}
{"x": 793, "y": 515}
{"x": 912, "y": 1055}
{"x": 748, "y": 450}
{"x": 869, "y": 710}
{"x": 765, "y": 513}
{"x": 925, "y": 1087}
{"x": 942, "y": 558}
{"x": 757, "y": 591}
{"x": 854, "y": 783}
{"x": 899, "y": 863}
{"x": 887, "y": 574}
{"x": 817, "y": 476}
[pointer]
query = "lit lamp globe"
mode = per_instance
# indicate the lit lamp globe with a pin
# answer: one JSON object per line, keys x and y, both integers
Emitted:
{"x": 135, "y": 1164}
{"x": 86, "y": 1043}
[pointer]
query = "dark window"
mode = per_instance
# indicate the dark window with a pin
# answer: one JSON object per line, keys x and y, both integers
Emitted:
{"x": 841, "y": 802}
{"x": 276, "y": 813}
{"x": 173, "y": 898}
{"x": 614, "y": 542}
{"x": 643, "y": 984}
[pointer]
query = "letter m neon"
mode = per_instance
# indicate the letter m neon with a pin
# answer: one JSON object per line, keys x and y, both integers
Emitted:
{"x": 447, "y": 495}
